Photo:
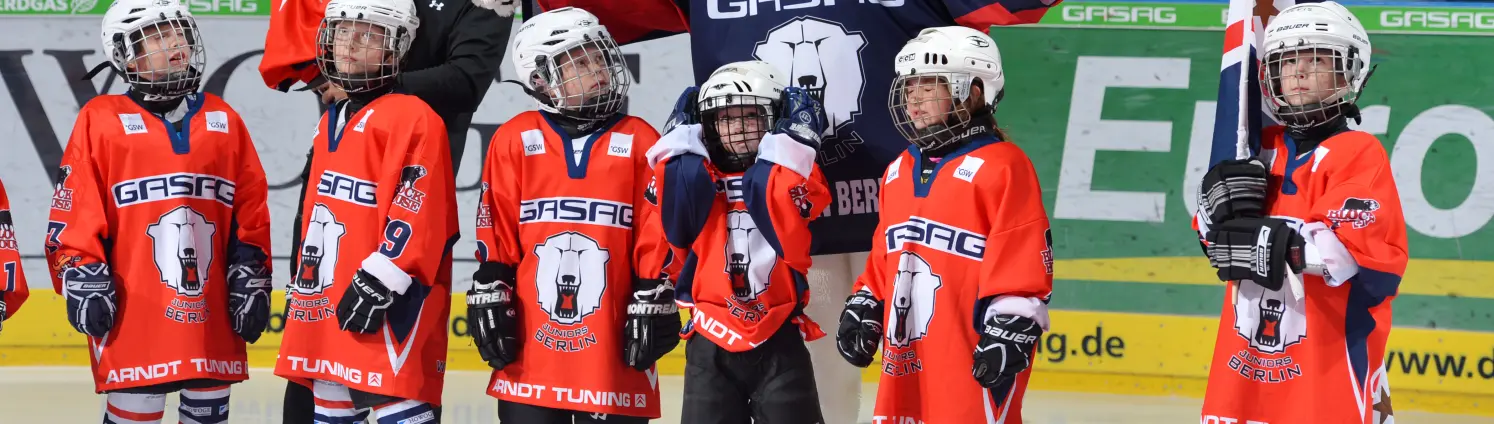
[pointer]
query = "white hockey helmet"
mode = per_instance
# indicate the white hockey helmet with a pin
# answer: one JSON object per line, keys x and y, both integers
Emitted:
{"x": 155, "y": 45}
{"x": 570, "y": 64}
{"x": 732, "y": 133}
{"x": 956, "y": 57}
{"x": 1337, "y": 51}
{"x": 376, "y": 35}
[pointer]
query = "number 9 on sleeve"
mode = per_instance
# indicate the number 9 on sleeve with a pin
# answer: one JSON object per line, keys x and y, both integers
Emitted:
{"x": 396, "y": 234}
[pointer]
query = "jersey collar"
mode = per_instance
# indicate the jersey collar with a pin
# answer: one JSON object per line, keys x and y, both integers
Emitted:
{"x": 920, "y": 187}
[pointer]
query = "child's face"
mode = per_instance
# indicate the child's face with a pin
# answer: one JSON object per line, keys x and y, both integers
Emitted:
{"x": 928, "y": 101}
{"x": 584, "y": 73}
{"x": 359, "y": 47}
{"x": 1308, "y": 76}
{"x": 164, "y": 50}
{"x": 741, "y": 128}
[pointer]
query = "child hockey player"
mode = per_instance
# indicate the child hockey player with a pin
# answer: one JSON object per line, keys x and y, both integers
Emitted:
{"x": 968, "y": 286}
{"x": 13, "y": 291}
{"x": 1318, "y": 206}
{"x": 366, "y": 320}
{"x": 159, "y": 234}
{"x": 571, "y": 291}
{"x": 737, "y": 186}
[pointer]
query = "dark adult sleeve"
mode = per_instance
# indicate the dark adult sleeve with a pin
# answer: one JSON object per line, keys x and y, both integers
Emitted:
{"x": 477, "y": 42}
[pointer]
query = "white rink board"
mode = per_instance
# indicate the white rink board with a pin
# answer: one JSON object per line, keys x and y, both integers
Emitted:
{"x": 281, "y": 123}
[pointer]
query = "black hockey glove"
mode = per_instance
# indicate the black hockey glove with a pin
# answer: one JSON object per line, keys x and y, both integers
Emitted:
{"x": 686, "y": 110}
{"x": 492, "y": 314}
{"x": 364, "y": 304}
{"x": 91, "y": 298}
{"x": 653, "y": 327}
{"x": 1005, "y": 349}
{"x": 860, "y": 330}
{"x": 1233, "y": 189}
{"x": 2, "y": 313}
{"x": 801, "y": 117}
{"x": 249, "y": 300}
{"x": 1258, "y": 249}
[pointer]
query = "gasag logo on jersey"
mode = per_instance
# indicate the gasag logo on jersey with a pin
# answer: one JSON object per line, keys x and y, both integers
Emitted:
{"x": 939, "y": 236}
{"x": 576, "y": 210}
{"x": 749, "y": 265}
{"x": 735, "y": 188}
{"x": 406, "y": 195}
{"x": 318, "y": 262}
{"x": 62, "y": 197}
{"x": 824, "y": 58}
{"x": 180, "y": 185}
{"x": 1359, "y": 213}
{"x": 913, "y": 293}
{"x": 1270, "y": 321}
{"x": 569, "y": 282}
{"x": 348, "y": 188}
{"x": 484, "y": 210}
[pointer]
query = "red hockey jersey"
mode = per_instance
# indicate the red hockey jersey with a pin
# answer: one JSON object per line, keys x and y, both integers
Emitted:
{"x": 570, "y": 216}
{"x": 13, "y": 291}
{"x": 747, "y": 236}
{"x": 290, "y": 43}
{"x": 168, "y": 210}
{"x": 1318, "y": 359}
{"x": 974, "y": 230}
{"x": 383, "y": 201}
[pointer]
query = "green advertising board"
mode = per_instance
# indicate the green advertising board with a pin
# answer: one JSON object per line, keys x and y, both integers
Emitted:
{"x": 1117, "y": 122}
{"x": 1400, "y": 18}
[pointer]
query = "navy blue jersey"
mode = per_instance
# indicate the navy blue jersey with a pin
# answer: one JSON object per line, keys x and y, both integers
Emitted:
{"x": 842, "y": 51}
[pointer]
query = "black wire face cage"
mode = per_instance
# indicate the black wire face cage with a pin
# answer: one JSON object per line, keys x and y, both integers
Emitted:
{"x": 360, "y": 55}
{"x": 1315, "y": 87}
{"x": 926, "y": 109}
{"x": 163, "y": 60}
{"x": 733, "y": 127}
{"x": 588, "y": 82}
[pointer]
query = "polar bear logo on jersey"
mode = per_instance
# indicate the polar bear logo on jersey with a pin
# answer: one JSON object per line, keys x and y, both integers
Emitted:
{"x": 571, "y": 276}
{"x": 318, "y": 252}
{"x": 912, "y": 300}
{"x": 183, "y": 249}
{"x": 825, "y": 59}
{"x": 749, "y": 258}
{"x": 1270, "y": 320}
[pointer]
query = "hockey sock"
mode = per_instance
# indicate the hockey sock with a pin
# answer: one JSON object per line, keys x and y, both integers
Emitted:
{"x": 405, "y": 412}
{"x": 334, "y": 405}
{"x": 208, "y": 405}
{"x": 134, "y": 408}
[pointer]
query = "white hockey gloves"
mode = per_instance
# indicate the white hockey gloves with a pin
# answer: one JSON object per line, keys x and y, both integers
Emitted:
{"x": 653, "y": 327}
{"x": 91, "y": 299}
{"x": 860, "y": 330}
{"x": 492, "y": 314}
{"x": 1006, "y": 348}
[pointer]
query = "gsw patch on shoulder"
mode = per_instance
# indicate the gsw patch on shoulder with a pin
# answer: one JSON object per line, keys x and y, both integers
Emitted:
{"x": 1358, "y": 212}
{"x": 406, "y": 195}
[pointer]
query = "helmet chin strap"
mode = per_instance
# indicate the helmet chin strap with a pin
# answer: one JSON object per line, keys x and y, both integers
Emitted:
{"x": 574, "y": 126}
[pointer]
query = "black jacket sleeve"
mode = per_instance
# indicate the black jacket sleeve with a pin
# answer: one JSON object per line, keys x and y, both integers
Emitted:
{"x": 475, "y": 45}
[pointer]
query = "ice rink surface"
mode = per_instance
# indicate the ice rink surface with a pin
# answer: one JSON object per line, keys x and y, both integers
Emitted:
{"x": 65, "y": 395}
